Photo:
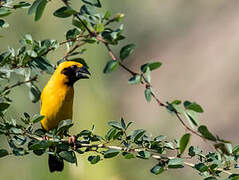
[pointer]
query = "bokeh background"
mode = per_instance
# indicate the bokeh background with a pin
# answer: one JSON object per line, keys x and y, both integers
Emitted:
{"x": 198, "y": 43}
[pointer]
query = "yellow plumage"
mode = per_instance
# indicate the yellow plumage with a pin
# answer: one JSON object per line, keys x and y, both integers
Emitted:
{"x": 57, "y": 98}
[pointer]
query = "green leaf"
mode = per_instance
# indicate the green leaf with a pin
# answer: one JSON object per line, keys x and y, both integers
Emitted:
{"x": 39, "y": 132}
{"x": 3, "y": 24}
{"x": 34, "y": 6}
{"x": 210, "y": 178}
{"x": 159, "y": 138}
{"x": 195, "y": 107}
{"x": 28, "y": 39}
{"x": 111, "y": 66}
{"x": 69, "y": 156}
{"x": 21, "y": 4}
{"x": 136, "y": 134}
{"x": 111, "y": 153}
{"x": 84, "y": 133}
{"x": 110, "y": 134}
{"x": 235, "y": 150}
{"x": 78, "y": 24}
{"x": 143, "y": 155}
{"x": 72, "y": 33}
{"x": 40, "y": 8}
{"x": 157, "y": 170}
{"x": 126, "y": 51}
{"x": 99, "y": 28}
{"x": 225, "y": 148}
{"x": 229, "y": 148}
{"x": 107, "y": 15}
{"x": 192, "y": 151}
{"x": 94, "y": 159}
{"x": 205, "y": 133}
{"x": 19, "y": 139}
{"x": 3, "y": 152}
{"x": 201, "y": 167}
{"x": 128, "y": 155}
{"x": 4, "y": 106}
{"x": 184, "y": 142}
{"x": 95, "y": 3}
{"x": 40, "y": 145}
{"x": 43, "y": 64}
{"x": 152, "y": 66}
{"x": 45, "y": 144}
{"x": 148, "y": 75}
{"x": 116, "y": 125}
{"x": 34, "y": 94}
{"x": 175, "y": 163}
{"x": 175, "y": 107}
{"x": 16, "y": 130}
{"x": 135, "y": 79}
{"x": 147, "y": 94}
{"x": 4, "y": 11}
{"x": 129, "y": 125}
{"x": 177, "y": 102}
{"x": 35, "y": 146}
{"x": 64, "y": 12}
{"x": 186, "y": 103}
{"x": 191, "y": 117}
{"x": 169, "y": 145}
{"x": 37, "y": 117}
{"x": 89, "y": 14}
{"x": 233, "y": 177}
{"x": 64, "y": 125}
{"x": 113, "y": 36}
{"x": 123, "y": 123}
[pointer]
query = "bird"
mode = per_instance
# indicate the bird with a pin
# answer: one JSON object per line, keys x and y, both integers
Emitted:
{"x": 57, "y": 101}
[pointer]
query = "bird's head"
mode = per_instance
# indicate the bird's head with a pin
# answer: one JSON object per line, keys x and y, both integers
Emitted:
{"x": 72, "y": 72}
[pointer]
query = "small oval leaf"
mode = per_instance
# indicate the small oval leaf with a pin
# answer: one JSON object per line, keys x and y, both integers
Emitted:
{"x": 111, "y": 66}
{"x": 126, "y": 51}
{"x": 157, "y": 170}
{"x": 208, "y": 135}
{"x": 111, "y": 153}
{"x": 184, "y": 142}
{"x": 3, "y": 152}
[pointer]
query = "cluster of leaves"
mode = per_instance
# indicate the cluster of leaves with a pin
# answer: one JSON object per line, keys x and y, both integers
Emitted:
{"x": 23, "y": 139}
{"x": 89, "y": 26}
{"x": 27, "y": 62}
{"x": 6, "y": 8}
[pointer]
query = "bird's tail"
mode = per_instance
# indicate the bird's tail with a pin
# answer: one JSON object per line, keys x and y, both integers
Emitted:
{"x": 55, "y": 163}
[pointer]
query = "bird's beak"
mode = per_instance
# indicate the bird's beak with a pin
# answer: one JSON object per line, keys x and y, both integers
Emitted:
{"x": 82, "y": 72}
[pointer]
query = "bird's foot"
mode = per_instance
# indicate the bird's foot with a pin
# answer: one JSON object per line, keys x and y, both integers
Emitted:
{"x": 45, "y": 137}
{"x": 72, "y": 139}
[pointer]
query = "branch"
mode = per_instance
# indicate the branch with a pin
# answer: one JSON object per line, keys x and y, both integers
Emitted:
{"x": 73, "y": 49}
{"x": 79, "y": 144}
{"x": 19, "y": 83}
{"x": 145, "y": 82}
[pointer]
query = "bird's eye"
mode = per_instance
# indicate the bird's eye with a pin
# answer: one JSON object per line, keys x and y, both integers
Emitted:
{"x": 74, "y": 67}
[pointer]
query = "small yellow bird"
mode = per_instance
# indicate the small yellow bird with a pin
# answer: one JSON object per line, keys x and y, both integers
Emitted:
{"x": 57, "y": 100}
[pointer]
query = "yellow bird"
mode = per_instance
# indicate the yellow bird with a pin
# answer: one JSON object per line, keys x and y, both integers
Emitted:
{"x": 57, "y": 100}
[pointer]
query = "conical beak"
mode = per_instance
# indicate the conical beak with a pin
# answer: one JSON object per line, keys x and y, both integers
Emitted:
{"x": 82, "y": 72}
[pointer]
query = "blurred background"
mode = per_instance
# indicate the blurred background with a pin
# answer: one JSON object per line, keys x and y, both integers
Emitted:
{"x": 198, "y": 43}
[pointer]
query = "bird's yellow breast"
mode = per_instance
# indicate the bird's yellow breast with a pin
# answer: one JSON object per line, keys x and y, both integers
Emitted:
{"x": 57, "y": 102}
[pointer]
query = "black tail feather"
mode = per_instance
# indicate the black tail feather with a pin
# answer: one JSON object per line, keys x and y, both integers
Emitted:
{"x": 55, "y": 163}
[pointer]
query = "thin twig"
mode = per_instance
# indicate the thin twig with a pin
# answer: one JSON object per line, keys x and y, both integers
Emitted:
{"x": 186, "y": 127}
{"x": 19, "y": 83}
{"x": 62, "y": 43}
{"x": 145, "y": 82}
{"x": 73, "y": 49}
